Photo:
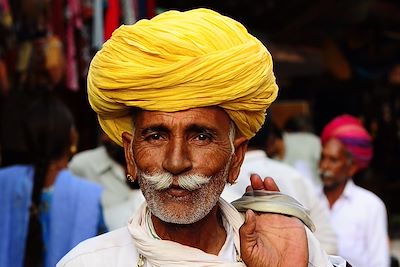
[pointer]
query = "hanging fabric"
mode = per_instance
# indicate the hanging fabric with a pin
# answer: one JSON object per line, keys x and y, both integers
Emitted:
{"x": 6, "y": 18}
{"x": 74, "y": 21}
{"x": 97, "y": 24}
{"x": 128, "y": 12}
{"x": 142, "y": 7}
{"x": 57, "y": 18}
{"x": 151, "y": 8}
{"x": 112, "y": 20}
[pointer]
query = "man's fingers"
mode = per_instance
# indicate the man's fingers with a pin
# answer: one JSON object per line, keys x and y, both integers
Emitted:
{"x": 258, "y": 184}
{"x": 270, "y": 185}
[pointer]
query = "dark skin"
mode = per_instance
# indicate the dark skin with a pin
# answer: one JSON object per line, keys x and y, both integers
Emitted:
{"x": 336, "y": 161}
{"x": 197, "y": 141}
{"x": 61, "y": 163}
{"x": 269, "y": 239}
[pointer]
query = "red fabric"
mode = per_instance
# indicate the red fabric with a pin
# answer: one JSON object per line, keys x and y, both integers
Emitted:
{"x": 57, "y": 18}
{"x": 112, "y": 19}
{"x": 351, "y": 132}
{"x": 5, "y": 5}
{"x": 151, "y": 8}
{"x": 74, "y": 22}
{"x": 4, "y": 85}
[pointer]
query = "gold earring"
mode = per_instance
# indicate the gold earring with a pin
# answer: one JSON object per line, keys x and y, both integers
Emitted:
{"x": 130, "y": 178}
{"x": 234, "y": 182}
{"x": 73, "y": 149}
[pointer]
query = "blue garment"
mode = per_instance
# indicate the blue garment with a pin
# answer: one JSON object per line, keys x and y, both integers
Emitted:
{"x": 15, "y": 199}
{"x": 74, "y": 215}
{"x": 44, "y": 214}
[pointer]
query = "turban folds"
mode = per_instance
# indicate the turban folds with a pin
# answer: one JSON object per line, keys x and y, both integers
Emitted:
{"x": 350, "y": 131}
{"x": 177, "y": 61}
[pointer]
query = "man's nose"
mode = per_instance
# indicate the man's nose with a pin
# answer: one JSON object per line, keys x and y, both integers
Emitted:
{"x": 323, "y": 164}
{"x": 177, "y": 158}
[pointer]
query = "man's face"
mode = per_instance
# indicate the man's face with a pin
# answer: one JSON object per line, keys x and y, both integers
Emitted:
{"x": 185, "y": 145}
{"x": 335, "y": 165}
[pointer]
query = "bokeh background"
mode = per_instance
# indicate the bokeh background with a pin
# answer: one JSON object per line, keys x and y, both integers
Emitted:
{"x": 330, "y": 57}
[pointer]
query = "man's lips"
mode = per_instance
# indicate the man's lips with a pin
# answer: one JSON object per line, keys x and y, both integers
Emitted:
{"x": 177, "y": 191}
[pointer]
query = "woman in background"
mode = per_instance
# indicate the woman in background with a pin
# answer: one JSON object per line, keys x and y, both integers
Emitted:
{"x": 45, "y": 210}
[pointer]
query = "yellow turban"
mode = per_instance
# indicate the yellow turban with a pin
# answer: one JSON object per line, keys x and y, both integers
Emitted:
{"x": 177, "y": 61}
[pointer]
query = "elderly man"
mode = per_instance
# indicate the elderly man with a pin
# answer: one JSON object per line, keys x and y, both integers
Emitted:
{"x": 358, "y": 216}
{"x": 183, "y": 93}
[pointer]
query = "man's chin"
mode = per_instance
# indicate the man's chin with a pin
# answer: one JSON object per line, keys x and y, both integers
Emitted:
{"x": 180, "y": 212}
{"x": 329, "y": 186}
{"x": 174, "y": 218}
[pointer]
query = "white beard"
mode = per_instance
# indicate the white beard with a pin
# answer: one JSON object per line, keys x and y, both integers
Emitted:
{"x": 203, "y": 196}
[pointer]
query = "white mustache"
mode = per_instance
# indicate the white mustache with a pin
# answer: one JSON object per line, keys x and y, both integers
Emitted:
{"x": 325, "y": 174}
{"x": 163, "y": 180}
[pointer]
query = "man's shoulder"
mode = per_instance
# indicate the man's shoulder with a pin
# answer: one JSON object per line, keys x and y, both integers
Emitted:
{"x": 275, "y": 169}
{"x": 101, "y": 250}
{"x": 366, "y": 196}
{"x": 90, "y": 163}
{"x": 98, "y": 153}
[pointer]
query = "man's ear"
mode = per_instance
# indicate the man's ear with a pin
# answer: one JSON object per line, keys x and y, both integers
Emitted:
{"x": 130, "y": 162}
{"x": 240, "y": 145}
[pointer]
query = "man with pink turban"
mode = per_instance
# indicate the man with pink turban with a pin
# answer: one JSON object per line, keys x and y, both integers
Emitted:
{"x": 358, "y": 216}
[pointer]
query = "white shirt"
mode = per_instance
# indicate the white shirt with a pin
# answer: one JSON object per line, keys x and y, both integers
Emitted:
{"x": 117, "y": 249}
{"x": 360, "y": 220}
{"x": 118, "y": 200}
{"x": 291, "y": 183}
{"x": 302, "y": 151}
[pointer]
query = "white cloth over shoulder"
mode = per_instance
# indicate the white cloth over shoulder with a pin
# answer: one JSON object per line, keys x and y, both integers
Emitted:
{"x": 290, "y": 182}
{"x": 121, "y": 248}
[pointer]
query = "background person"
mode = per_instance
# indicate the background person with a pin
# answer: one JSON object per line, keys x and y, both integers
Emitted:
{"x": 45, "y": 209}
{"x": 358, "y": 216}
{"x": 289, "y": 181}
{"x": 105, "y": 165}
{"x": 302, "y": 147}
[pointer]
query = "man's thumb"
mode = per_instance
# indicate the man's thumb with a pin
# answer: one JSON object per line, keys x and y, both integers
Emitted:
{"x": 247, "y": 231}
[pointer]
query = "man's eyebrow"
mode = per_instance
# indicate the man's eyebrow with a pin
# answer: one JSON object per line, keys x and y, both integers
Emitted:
{"x": 198, "y": 128}
{"x": 154, "y": 128}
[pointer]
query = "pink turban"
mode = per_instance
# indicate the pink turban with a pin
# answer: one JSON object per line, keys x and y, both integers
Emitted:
{"x": 350, "y": 131}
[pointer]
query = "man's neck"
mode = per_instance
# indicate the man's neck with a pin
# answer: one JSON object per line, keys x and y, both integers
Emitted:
{"x": 334, "y": 193}
{"x": 208, "y": 234}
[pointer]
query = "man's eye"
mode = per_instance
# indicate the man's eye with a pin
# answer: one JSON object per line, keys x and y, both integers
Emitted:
{"x": 203, "y": 137}
{"x": 155, "y": 137}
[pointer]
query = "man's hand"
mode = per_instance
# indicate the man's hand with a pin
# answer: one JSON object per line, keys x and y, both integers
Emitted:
{"x": 271, "y": 240}
{"x": 258, "y": 184}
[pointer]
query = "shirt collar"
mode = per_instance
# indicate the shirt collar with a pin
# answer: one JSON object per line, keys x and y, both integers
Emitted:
{"x": 348, "y": 191}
